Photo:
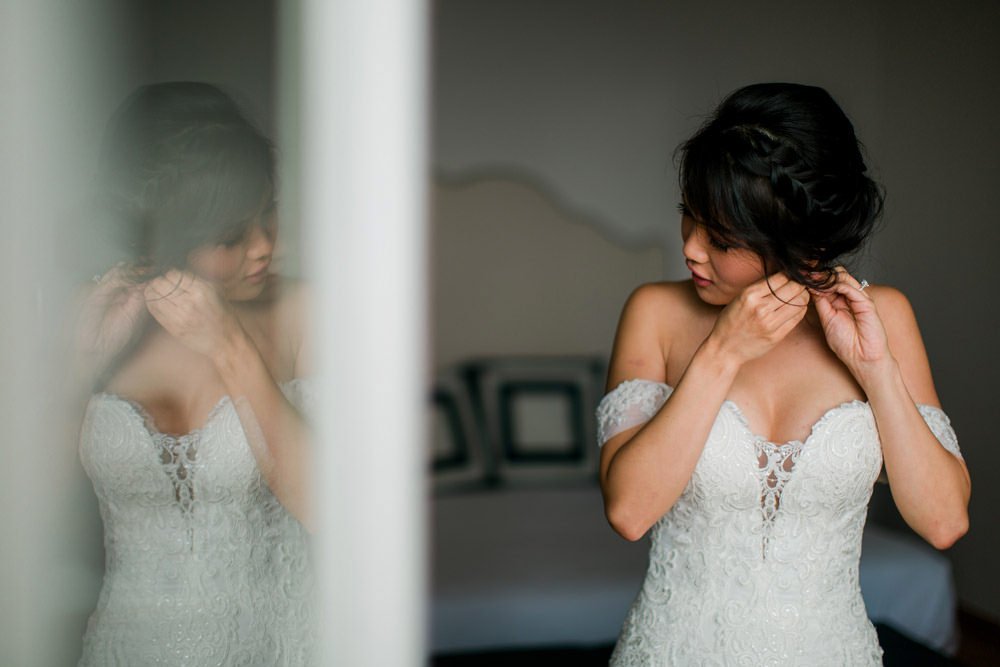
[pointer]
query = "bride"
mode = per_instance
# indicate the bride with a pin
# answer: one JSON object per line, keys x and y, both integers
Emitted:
{"x": 194, "y": 352}
{"x": 753, "y": 406}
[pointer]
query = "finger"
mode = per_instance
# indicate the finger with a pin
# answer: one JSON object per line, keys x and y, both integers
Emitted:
{"x": 789, "y": 290}
{"x": 791, "y": 294}
{"x": 181, "y": 280}
{"x": 824, "y": 307}
{"x": 851, "y": 291}
{"x": 775, "y": 281}
{"x": 790, "y": 318}
{"x": 844, "y": 276}
{"x": 166, "y": 286}
{"x": 767, "y": 286}
{"x": 156, "y": 289}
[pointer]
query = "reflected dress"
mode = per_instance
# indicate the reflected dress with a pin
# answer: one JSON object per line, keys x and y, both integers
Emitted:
{"x": 757, "y": 561}
{"x": 203, "y": 565}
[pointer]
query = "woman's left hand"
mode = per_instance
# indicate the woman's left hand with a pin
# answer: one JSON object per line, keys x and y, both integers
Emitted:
{"x": 852, "y": 325}
{"x": 192, "y": 311}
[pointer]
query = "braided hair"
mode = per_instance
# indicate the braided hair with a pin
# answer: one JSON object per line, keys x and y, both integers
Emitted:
{"x": 778, "y": 170}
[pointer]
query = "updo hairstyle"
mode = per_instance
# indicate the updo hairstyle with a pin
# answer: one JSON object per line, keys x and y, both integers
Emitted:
{"x": 778, "y": 170}
{"x": 182, "y": 167}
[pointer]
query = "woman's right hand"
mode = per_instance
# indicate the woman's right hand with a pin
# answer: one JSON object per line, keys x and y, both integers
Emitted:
{"x": 110, "y": 314}
{"x": 759, "y": 318}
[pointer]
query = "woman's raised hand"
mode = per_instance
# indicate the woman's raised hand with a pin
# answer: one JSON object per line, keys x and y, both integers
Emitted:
{"x": 192, "y": 311}
{"x": 851, "y": 324}
{"x": 109, "y": 315}
{"x": 760, "y": 317}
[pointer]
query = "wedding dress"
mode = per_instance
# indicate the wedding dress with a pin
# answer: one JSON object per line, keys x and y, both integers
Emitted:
{"x": 757, "y": 561}
{"x": 203, "y": 565}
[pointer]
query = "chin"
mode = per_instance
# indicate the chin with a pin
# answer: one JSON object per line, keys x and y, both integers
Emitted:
{"x": 245, "y": 293}
{"x": 713, "y": 297}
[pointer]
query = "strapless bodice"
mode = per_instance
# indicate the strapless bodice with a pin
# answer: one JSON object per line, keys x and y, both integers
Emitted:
{"x": 203, "y": 564}
{"x": 757, "y": 561}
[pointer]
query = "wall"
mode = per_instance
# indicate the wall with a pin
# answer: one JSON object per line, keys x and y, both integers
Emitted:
{"x": 516, "y": 273}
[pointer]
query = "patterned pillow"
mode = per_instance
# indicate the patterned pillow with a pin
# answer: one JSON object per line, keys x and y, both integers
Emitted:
{"x": 537, "y": 416}
{"x": 457, "y": 456}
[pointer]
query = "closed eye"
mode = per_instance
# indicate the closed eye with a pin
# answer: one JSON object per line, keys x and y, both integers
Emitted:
{"x": 233, "y": 240}
{"x": 717, "y": 244}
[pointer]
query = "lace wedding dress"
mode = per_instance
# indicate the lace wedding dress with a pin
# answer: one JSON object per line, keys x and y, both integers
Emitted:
{"x": 757, "y": 561}
{"x": 203, "y": 565}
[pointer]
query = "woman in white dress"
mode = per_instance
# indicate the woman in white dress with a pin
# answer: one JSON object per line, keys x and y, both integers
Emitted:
{"x": 752, "y": 407}
{"x": 193, "y": 351}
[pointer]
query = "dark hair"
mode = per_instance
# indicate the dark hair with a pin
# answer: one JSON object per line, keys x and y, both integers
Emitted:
{"x": 777, "y": 169}
{"x": 183, "y": 167}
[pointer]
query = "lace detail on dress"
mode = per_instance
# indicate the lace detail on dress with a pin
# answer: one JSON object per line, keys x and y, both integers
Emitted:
{"x": 203, "y": 564}
{"x": 631, "y": 403}
{"x": 940, "y": 426}
{"x": 775, "y": 464}
{"x": 757, "y": 561}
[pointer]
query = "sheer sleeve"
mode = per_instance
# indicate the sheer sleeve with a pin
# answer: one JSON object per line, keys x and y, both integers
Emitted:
{"x": 940, "y": 426}
{"x": 630, "y": 404}
{"x": 301, "y": 392}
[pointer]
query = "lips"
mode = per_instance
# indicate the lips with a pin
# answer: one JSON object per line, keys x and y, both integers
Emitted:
{"x": 259, "y": 275}
{"x": 699, "y": 280}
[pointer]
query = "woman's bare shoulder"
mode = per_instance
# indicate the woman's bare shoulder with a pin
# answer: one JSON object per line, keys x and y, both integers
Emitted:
{"x": 668, "y": 304}
{"x": 895, "y": 311}
{"x": 285, "y": 298}
{"x": 655, "y": 315}
{"x": 905, "y": 342}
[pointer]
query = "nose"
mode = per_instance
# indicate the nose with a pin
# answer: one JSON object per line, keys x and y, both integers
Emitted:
{"x": 261, "y": 242}
{"x": 695, "y": 242}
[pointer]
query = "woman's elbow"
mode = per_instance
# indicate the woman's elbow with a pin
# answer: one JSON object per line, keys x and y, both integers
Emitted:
{"x": 945, "y": 534}
{"x": 625, "y": 522}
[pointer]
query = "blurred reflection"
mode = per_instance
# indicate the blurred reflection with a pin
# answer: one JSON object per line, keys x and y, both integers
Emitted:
{"x": 191, "y": 352}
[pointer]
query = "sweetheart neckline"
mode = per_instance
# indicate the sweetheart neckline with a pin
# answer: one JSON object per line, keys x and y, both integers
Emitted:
{"x": 813, "y": 430}
{"x": 745, "y": 423}
{"x": 140, "y": 411}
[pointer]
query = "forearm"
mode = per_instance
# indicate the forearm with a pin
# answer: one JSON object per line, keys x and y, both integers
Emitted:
{"x": 276, "y": 432}
{"x": 929, "y": 485}
{"x": 647, "y": 474}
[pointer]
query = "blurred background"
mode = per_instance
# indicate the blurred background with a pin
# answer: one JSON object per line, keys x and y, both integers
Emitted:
{"x": 553, "y": 193}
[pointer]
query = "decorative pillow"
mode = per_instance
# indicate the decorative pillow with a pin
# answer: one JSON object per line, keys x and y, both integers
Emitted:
{"x": 457, "y": 455}
{"x": 537, "y": 416}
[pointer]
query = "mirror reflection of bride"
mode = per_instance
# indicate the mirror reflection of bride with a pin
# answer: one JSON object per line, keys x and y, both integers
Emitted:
{"x": 192, "y": 355}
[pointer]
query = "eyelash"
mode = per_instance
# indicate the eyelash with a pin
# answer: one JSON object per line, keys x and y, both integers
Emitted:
{"x": 233, "y": 241}
{"x": 712, "y": 240}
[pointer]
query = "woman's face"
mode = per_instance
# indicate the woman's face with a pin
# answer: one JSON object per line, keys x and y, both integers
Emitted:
{"x": 239, "y": 267}
{"x": 719, "y": 273}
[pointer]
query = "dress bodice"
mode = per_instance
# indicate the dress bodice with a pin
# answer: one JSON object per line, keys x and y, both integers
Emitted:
{"x": 756, "y": 563}
{"x": 203, "y": 564}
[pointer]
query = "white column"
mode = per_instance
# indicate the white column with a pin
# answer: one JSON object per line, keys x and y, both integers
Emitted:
{"x": 363, "y": 204}
{"x": 50, "y": 75}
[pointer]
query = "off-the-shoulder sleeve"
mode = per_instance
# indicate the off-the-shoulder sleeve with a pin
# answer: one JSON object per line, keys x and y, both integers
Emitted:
{"x": 940, "y": 426}
{"x": 630, "y": 404}
{"x": 301, "y": 392}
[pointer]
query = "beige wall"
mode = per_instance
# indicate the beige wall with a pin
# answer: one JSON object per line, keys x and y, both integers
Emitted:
{"x": 516, "y": 274}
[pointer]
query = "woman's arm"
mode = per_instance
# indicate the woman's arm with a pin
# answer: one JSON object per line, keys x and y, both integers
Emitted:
{"x": 646, "y": 468}
{"x": 875, "y": 333}
{"x": 191, "y": 310}
{"x": 107, "y": 317}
